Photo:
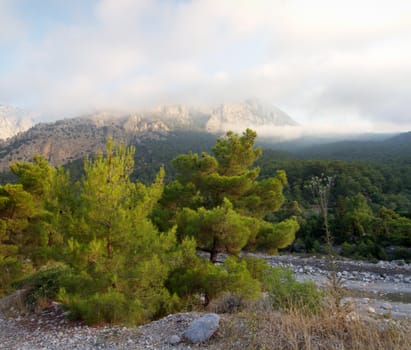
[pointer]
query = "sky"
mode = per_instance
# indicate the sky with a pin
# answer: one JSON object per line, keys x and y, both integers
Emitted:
{"x": 331, "y": 65}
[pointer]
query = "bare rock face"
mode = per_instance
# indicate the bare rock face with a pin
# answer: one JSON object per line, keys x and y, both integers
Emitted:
{"x": 251, "y": 114}
{"x": 70, "y": 139}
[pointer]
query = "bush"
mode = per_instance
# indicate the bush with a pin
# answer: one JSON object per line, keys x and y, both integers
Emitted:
{"x": 285, "y": 292}
{"x": 258, "y": 268}
{"x": 112, "y": 307}
{"x": 228, "y": 303}
{"x": 205, "y": 278}
{"x": 10, "y": 268}
{"x": 43, "y": 286}
{"x": 402, "y": 253}
{"x": 364, "y": 248}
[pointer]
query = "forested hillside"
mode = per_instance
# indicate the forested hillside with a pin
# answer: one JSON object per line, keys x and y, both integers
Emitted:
{"x": 396, "y": 148}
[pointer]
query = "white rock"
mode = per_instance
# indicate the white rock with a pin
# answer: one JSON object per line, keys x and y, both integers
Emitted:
{"x": 174, "y": 339}
{"x": 202, "y": 329}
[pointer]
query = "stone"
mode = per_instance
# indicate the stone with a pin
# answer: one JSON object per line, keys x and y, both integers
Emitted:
{"x": 386, "y": 306}
{"x": 371, "y": 310}
{"x": 352, "y": 316}
{"x": 202, "y": 329}
{"x": 174, "y": 339}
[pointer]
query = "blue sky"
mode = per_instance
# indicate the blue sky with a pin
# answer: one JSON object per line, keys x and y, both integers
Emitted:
{"x": 331, "y": 65}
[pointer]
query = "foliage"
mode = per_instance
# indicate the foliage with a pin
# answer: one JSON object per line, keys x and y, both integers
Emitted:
{"x": 369, "y": 206}
{"x": 211, "y": 281}
{"x": 121, "y": 259}
{"x": 115, "y": 261}
{"x": 285, "y": 292}
{"x": 321, "y": 187}
{"x": 43, "y": 285}
{"x": 116, "y": 250}
{"x": 218, "y": 200}
{"x": 25, "y": 230}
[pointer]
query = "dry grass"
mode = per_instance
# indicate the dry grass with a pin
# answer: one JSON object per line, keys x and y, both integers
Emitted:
{"x": 328, "y": 330}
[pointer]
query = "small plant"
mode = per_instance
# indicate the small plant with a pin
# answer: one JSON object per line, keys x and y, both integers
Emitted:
{"x": 321, "y": 188}
{"x": 228, "y": 303}
{"x": 286, "y": 293}
{"x": 43, "y": 286}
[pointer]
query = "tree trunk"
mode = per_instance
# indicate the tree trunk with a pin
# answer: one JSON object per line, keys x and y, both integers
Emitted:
{"x": 109, "y": 250}
{"x": 214, "y": 252}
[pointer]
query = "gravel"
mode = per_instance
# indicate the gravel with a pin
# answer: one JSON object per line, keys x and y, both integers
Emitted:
{"x": 50, "y": 330}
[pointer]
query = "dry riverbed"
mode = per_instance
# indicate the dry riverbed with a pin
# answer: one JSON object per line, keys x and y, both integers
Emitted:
{"x": 384, "y": 286}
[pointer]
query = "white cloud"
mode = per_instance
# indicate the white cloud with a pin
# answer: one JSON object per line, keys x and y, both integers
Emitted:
{"x": 11, "y": 28}
{"x": 321, "y": 61}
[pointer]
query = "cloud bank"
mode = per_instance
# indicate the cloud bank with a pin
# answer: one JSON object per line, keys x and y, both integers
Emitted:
{"x": 328, "y": 64}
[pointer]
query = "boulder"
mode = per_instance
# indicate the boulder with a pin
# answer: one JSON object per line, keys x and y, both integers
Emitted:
{"x": 202, "y": 329}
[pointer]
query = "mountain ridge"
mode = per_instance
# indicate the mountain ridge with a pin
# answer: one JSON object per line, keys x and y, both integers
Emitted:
{"x": 66, "y": 140}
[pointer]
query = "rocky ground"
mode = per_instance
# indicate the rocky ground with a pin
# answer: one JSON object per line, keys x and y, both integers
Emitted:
{"x": 50, "y": 330}
{"x": 383, "y": 288}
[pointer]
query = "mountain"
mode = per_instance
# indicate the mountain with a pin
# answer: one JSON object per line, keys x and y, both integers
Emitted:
{"x": 251, "y": 114}
{"x": 66, "y": 140}
{"x": 393, "y": 148}
{"x": 224, "y": 117}
{"x": 14, "y": 120}
{"x": 70, "y": 139}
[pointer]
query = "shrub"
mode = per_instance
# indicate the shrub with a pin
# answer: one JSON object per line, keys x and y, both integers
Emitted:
{"x": 285, "y": 292}
{"x": 11, "y": 268}
{"x": 401, "y": 253}
{"x": 228, "y": 302}
{"x": 43, "y": 285}
{"x": 258, "y": 268}
{"x": 111, "y": 306}
{"x": 205, "y": 278}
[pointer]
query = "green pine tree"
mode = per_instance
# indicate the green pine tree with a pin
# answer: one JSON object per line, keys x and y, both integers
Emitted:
{"x": 218, "y": 199}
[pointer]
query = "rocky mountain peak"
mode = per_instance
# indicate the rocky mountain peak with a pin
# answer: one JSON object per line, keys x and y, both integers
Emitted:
{"x": 70, "y": 139}
{"x": 14, "y": 120}
{"x": 250, "y": 114}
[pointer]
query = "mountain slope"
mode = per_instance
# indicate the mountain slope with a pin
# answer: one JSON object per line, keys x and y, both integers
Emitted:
{"x": 70, "y": 139}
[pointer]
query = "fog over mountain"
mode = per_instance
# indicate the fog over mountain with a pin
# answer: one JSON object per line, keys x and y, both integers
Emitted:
{"x": 69, "y": 139}
{"x": 335, "y": 67}
{"x": 267, "y": 119}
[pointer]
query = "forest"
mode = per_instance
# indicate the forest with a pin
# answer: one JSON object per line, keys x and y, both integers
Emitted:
{"x": 116, "y": 250}
{"x": 113, "y": 247}
{"x": 369, "y": 205}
